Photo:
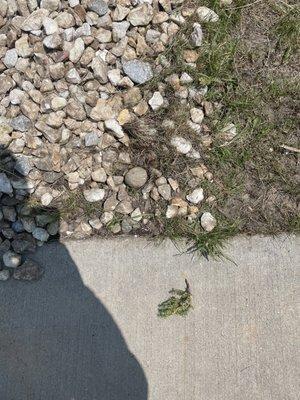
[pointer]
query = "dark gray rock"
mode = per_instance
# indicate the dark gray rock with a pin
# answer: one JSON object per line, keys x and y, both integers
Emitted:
{"x": 28, "y": 271}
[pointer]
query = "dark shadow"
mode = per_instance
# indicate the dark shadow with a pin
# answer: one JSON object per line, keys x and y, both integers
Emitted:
{"x": 57, "y": 341}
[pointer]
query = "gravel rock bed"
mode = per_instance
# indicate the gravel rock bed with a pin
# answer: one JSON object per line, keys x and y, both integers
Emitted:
{"x": 74, "y": 77}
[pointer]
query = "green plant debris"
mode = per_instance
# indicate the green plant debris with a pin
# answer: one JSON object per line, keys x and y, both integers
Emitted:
{"x": 179, "y": 303}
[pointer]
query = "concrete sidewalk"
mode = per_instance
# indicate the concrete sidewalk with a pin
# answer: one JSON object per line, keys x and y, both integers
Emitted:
{"x": 89, "y": 331}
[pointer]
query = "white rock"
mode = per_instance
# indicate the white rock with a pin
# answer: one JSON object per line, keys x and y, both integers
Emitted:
{"x": 196, "y": 196}
{"x": 156, "y": 101}
{"x": 172, "y": 211}
{"x": 107, "y": 217}
{"x": 208, "y": 221}
{"x": 16, "y": 96}
{"x": 57, "y": 103}
{"x": 22, "y": 46}
{"x": 72, "y": 76}
{"x": 11, "y": 57}
{"x": 141, "y": 15}
{"x": 185, "y": 78}
{"x": 136, "y": 215}
{"x": 195, "y": 127}
{"x": 114, "y": 76}
{"x": 34, "y": 21}
{"x": 50, "y": 26}
{"x": 96, "y": 223}
{"x": 83, "y": 30}
{"x": 197, "y": 115}
{"x": 100, "y": 69}
{"x": 225, "y": 2}
{"x": 46, "y": 199}
{"x": 119, "y": 30}
{"x": 73, "y": 3}
{"x": 53, "y": 41}
{"x": 11, "y": 259}
{"x": 69, "y": 34}
{"x": 181, "y": 144}
{"x": 205, "y": 14}
{"x": 77, "y": 50}
{"x": 114, "y": 126}
{"x": 93, "y": 195}
{"x": 99, "y": 175}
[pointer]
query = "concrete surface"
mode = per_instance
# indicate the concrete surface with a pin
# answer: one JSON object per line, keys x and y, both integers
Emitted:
{"x": 88, "y": 330}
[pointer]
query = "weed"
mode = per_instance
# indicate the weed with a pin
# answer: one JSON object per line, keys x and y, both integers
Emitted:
{"x": 178, "y": 304}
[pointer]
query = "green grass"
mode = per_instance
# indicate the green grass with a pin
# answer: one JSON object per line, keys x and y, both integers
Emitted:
{"x": 287, "y": 30}
{"x": 258, "y": 90}
{"x": 207, "y": 244}
{"x": 74, "y": 205}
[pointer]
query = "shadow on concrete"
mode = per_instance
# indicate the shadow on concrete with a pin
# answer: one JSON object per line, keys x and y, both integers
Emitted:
{"x": 58, "y": 341}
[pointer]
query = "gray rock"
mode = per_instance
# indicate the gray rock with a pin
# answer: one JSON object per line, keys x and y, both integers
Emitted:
{"x": 136, "y": 177}
{"x": 53, "y": 228}
{"x": 197, "y": 35}
{"x": 91, "y": 139}
{"x": 11, "y": 259}
{"x": 28, "y": 271}
{"x": 138, "y": 71}
{"x": 126, "y": 226}
{"x": 100, "y": 7}
{"x": 17, "y": 226}
{"x": 23, "y": 165}
{"x": 40, "y": 234}
{"x": 5, "y": 185}
{"x": 4, "y": 275}
{"x": 9, "y": 213}
{"x": 23, "y": 242}
{"x": 21, "y": 123}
